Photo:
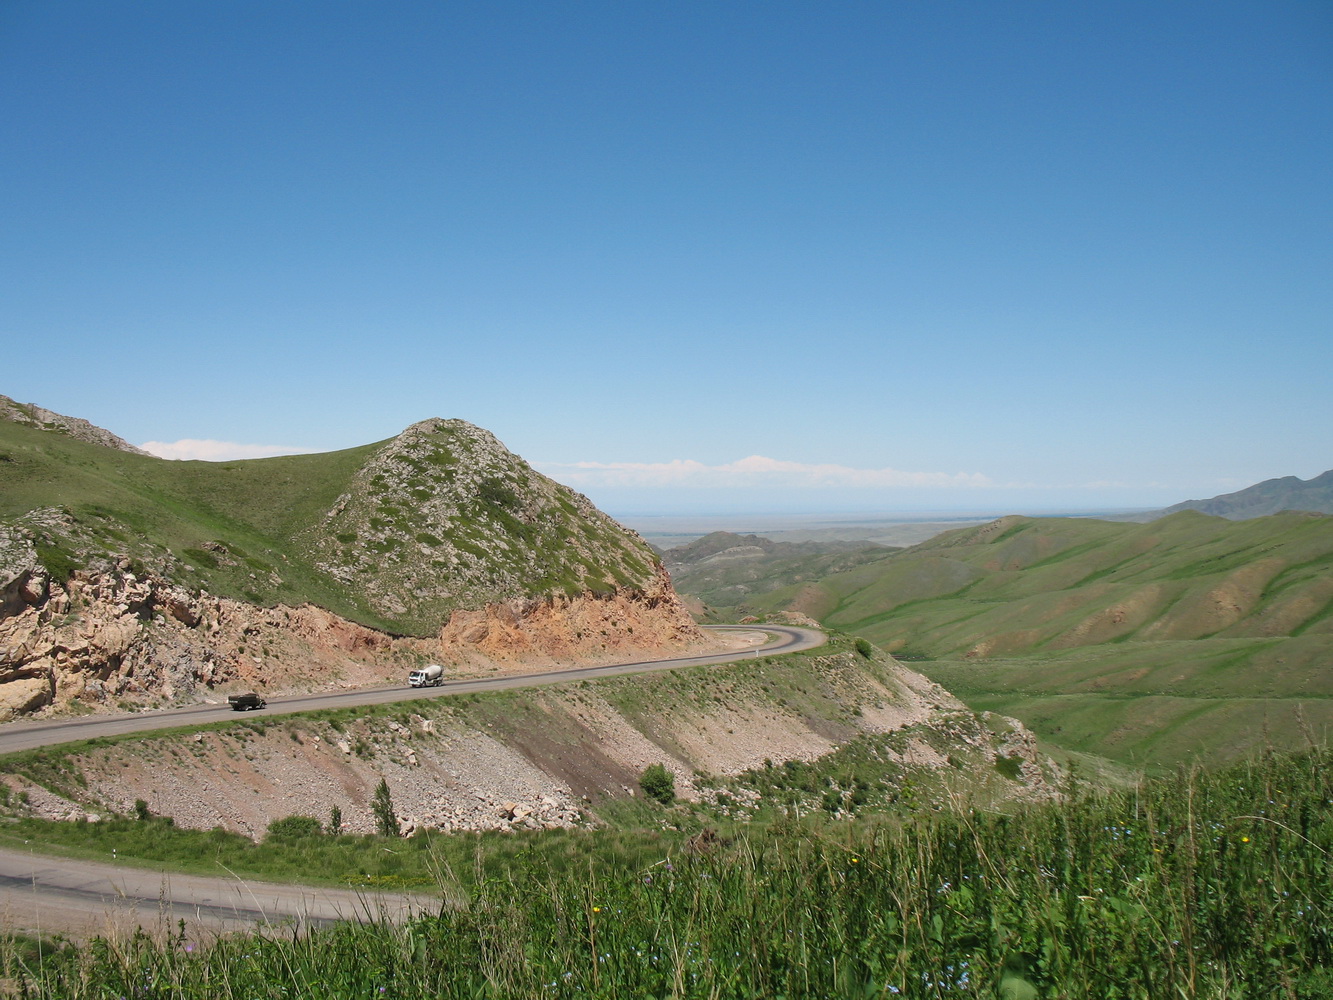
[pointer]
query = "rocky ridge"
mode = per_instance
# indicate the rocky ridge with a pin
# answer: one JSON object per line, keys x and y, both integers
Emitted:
{"x": 32, "y": 415}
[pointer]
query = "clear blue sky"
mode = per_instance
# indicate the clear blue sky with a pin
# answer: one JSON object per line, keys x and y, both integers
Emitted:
{"x": 1004, "y": 255}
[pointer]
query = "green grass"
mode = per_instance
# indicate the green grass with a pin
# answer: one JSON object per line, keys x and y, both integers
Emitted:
{"x": 1197, "y": 885}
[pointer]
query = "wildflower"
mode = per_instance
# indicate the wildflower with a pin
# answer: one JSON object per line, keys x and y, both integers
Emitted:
{"x": 596, "y": 909}
{"x": 856, "y": 861}
{"x": 1244, "y": 840}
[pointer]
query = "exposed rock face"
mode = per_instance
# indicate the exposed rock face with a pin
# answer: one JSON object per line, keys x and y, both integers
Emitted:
{"x": 76, "y": 427}
{"x": 575, "y": 627}
{"x": 107, "y": 637}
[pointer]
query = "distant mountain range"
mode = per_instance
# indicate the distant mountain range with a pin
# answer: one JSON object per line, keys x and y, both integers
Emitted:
{"x": 1272, "y": 496}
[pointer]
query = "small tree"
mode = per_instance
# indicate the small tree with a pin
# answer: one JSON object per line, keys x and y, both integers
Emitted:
{"x": 335, "y": 826}
{"x": 658, "y": 783}
{"x": 382, "y": 807}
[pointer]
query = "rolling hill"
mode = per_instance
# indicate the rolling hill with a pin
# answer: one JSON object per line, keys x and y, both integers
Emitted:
{"x": 1145, "y": 643}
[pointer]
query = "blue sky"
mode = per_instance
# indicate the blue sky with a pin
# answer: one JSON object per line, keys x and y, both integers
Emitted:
{"x": 689, "y": 256}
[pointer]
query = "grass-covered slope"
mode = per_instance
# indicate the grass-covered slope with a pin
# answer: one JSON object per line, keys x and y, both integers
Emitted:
{"x": 1205, "y": 886}
{"x": 393, "y": 535}
{"x": 723, "y": 569}
{"x": 1147, "y": 643}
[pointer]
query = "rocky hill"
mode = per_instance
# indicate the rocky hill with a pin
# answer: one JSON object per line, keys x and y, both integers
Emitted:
{"x": 128, "y": 578}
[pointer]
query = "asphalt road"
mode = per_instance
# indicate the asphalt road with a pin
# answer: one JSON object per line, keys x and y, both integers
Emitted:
{"x": 46, "y": 894}
{"x": 51, "y": 894}
{"x": 29, "y": 735}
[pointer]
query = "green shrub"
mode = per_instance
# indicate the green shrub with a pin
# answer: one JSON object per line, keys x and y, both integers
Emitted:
{"x": 59, "y": 564}
{"x": 658, "y": 783}
{"x": 864, "y": 648}
{"x": 294, "y": 828}
{"x": 1009, "y": 766}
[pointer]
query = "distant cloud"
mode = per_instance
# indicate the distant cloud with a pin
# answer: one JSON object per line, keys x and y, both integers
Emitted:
{"x": 755, "y": 471}
{"x": 190, "y": 449}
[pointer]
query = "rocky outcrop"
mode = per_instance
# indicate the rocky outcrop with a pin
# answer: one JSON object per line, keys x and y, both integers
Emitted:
{"x": 583, "y": 627}
{"x": 32, "y": 415}
{"x": 110, "y": 638}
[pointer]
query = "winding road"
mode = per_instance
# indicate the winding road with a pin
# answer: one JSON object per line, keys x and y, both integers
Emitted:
{"x": 43, "y": 893}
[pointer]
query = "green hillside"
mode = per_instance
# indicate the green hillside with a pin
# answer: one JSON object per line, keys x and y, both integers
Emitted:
{"x": 1146, "y": 643}
{"x": 394, "y": 535}
{"x": 723, "y": 569}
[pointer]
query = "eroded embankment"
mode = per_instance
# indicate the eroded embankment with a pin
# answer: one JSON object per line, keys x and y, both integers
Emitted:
{"x": 532, "y": 758}
{"x": 111, "y": 638}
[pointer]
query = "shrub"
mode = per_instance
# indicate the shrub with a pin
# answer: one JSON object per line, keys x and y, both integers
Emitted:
{"x": 1009, "y": 766}
{"x": 294, "y": 828}
{"x": 59, "y": 564}
{"x": 658, "y": 783}
{"x": 864, "y": 648}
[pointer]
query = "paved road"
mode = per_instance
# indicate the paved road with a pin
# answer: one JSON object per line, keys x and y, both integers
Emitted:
{"x": 43, "y": 893}
{"x": 29, "y": 735}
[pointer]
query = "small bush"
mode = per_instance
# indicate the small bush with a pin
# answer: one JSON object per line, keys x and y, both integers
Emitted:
{"x": 1009, "y": 766}
{"x": 59, "y": 564}
{"x": 294, "y": 828}
{"x": 658, "y": 783}
{"x": 864, "y": 648}
{"x": 201, "y": 557}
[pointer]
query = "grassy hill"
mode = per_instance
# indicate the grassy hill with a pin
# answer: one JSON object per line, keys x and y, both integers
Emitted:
{"x": 1146, "y": 643}
{"x": 393, "y": 535}
{"x": 724, "y": 569}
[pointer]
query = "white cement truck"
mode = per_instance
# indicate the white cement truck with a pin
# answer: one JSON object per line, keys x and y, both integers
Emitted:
{"x": 431, "y": 676}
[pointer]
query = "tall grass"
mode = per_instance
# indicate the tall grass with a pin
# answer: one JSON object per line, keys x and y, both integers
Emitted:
{"x": 1202, "y": 885}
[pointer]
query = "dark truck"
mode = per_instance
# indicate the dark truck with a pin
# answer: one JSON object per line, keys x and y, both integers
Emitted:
{"x": 244, "y": 702}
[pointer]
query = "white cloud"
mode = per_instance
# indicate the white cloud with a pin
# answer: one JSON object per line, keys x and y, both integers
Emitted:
{"x": 188, "y": 449}
{"x": 754, "y": 471}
